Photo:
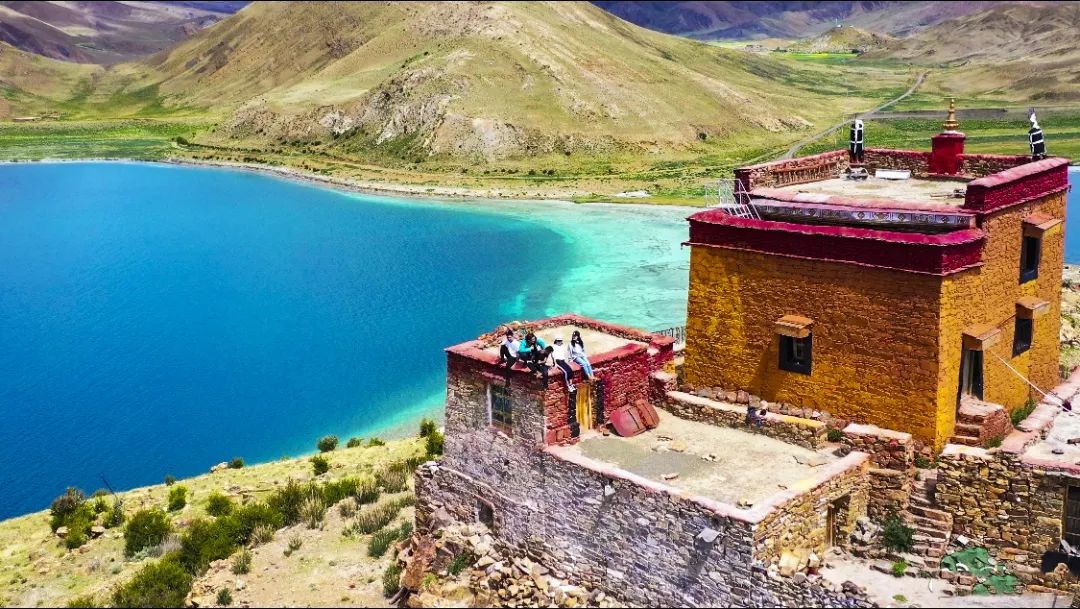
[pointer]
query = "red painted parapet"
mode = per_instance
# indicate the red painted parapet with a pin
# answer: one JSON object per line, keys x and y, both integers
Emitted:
{"x": 933, "y": 254}
{"x": 1018, "y": 185}
{"x": 793, "y": 171}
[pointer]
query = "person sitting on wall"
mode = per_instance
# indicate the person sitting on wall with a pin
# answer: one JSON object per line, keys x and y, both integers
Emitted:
{"x": 578, "y": 356}
{"x": 542, "y": 361}
{"x": 508, "y": 349}
{"x": 528, "y": 346}
{"x": 755, "y": 417}
{"x": 561, "y": 355}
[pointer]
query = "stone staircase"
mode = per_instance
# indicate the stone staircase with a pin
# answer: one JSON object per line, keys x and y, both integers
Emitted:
{"x": 978, "y": 422}
{"x": 933, "y": 527}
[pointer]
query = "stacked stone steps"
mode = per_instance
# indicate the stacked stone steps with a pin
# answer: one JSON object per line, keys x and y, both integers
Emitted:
{"x": 977, "y": 422}
{"x": 933, "y": 527}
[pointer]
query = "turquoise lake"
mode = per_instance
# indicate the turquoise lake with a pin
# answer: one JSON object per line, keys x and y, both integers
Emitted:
{"x": 157, "y": 319}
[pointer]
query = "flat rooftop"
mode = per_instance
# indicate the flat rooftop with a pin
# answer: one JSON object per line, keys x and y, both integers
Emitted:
{"x": 1055, "y": 445}
{"x": 719, "y": 463}
{"x": 874, "y": 191}
{"x": 596, "y": 341}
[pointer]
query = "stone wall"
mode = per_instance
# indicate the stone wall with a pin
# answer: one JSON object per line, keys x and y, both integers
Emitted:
{"x": 892, "y": 475}
{"x": 1012, "y": 508}
{"x": 794, "y": 430}
{"x": 643, "y": 542}
{"x": 980, "y": 165}
{"x": 915, "y": 161}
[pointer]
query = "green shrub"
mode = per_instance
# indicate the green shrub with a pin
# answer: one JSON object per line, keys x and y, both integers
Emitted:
{"x": 177, "y": 498}
{"x": 461, "y": 562}
{"x": 995, "y": 441}
{"x": 263, "y": 534}
{"x": 65, "y": 506}
{"x": 327, "y": 443}
{"x": 100, "y": 505}
{"x": 295, "y": 543}
{"x": 375, "y": 518}
{"x": 427, "y": 427}
{"x": 241, "y": 564}
{"x": 434, "y": 444}
{"x": 368, "y": 492}
{"x": 224, "y": 597}
{"x": 1017, "y": 416}
{"x": 899, "y": 567}
{"x": 206, "y": 541}
{"x": 219, "y": 505}
{"x": 170, "y": 480}
{"x": 115, "y": 516}
{"x": 335, "y": 491}
{"x": 319, "y": 465}
{"x": 373, "y": 442}
{"x": 897, "y": 536}
{"x": 834, "y": 435}
{"x": 391, "y": 580}
{"x": 87, "y": 601}
{"x": 393, "y": 480}
{"x": 313, "y": 511}
{"x": 146, "y": 529}
{"x": 236, "y": 463}
{"x": 287, "y": 500}
{"x": 354, "y": 442}
{"x": 248, "y": 519}
{"x": 76, "y": 537}
{"x": 922, "y": 462}
{"x": 161, "y": 584}
{"x": 381, "y": 541}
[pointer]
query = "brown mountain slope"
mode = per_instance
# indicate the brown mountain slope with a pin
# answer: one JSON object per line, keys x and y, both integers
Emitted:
{"x": 99, "y": 32}
{"x": 1017, "y": 52}
{"x": 488, "y": 79}
{"x": 30, "y": 83}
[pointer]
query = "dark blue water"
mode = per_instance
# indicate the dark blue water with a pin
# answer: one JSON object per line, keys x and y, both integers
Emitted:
{"x": 157, "y": 320}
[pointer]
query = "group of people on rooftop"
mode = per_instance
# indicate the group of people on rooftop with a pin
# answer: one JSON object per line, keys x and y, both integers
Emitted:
{"x": 540, "y": 358}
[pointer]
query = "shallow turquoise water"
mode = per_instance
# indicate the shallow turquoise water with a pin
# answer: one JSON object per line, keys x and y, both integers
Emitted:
{"x": 157, "y": 320}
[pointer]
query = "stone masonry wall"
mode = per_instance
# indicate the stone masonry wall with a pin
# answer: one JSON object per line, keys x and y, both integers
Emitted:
{"x": 1013, "y": 509}
{"x": 915, "y": 161}
{"x": 892, "y": 454}
{"x": 633, "y": 539}
{"x": 794, "y": 430}
{"x": 794, "y": 171}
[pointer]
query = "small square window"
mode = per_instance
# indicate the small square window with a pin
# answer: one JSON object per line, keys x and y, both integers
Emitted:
{"x": 502, "y": 414}
{"x": 1022, "y": 336}
{"x": 796, "y": 353}
{"x": 1029, "y": 258}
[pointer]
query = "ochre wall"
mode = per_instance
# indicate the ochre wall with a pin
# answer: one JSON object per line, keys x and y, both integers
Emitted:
{"x": 875, "y": 335}
{"x": 988, "y": 295}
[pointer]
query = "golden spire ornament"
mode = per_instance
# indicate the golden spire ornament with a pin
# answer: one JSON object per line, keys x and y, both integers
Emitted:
{"x": 951, "y": 123}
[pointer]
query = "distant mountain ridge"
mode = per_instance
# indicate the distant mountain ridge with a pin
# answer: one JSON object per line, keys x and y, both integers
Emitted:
{"x": 742, "y": 20}
{"x": 104, "y": 32}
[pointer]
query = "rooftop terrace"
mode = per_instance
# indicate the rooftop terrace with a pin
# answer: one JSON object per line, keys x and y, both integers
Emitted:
{"x": 596, "y": 342}
{"x": 877, "y": 192}
{"x": 718, "y": 463}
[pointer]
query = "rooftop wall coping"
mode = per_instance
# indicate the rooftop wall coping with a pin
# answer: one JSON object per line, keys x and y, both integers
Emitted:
{"x": 1019, "y": 172}
{"x": 751, "y": 516}
{"x": 771, "y": 417}
{"x": 859, "y": 429}
{"x": 820, "y": 156}
{"x": 957, "y": 237}
{"x": 476, "y": 349}
{"x": 962, "y": 450}
{"x": 873, "y": 204}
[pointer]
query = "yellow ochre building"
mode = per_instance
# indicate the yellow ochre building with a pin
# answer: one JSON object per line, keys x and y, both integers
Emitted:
{"x": 917, "y": 291}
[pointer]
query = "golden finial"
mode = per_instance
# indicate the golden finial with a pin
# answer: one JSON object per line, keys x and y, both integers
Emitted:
{"x": 951, "y": 123}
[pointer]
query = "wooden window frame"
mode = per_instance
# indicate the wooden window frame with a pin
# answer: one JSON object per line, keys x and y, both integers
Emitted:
{"x": 788, "y": 348}
{"x": 500, "y": 418}
{"x": 1023, "y": 335}
{"x": 1029, "y": 260}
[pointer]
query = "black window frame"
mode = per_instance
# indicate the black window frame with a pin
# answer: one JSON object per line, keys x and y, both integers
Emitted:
{"x": 788, "y": 360}
{"x": 1030, "y": 257}
{"x": 1023, "y": 335}
{"x": 500, "y": 408}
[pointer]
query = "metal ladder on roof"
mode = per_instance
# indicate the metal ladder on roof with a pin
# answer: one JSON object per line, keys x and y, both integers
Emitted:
{"x": 733, "y": 199}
